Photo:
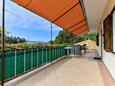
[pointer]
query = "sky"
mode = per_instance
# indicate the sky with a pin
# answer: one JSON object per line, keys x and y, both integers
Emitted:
{"x": 23, "y": 23}
{"x": 0, "y": 12}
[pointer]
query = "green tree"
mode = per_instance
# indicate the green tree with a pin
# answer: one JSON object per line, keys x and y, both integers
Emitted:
{"x": 11, "y": 39}
{"x": 91, "y": 36}
{"x": 68, "y": 38}
{"x": 65, "y": 37}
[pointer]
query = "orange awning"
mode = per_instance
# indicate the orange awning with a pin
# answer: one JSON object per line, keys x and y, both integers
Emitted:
{"x": 67, "y": 14}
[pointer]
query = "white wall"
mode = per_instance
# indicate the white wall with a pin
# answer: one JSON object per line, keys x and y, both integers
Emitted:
{"x": 109, "y": 60}
{"x": 98, "y": 50}
{"x": 99, "y": 47}
{"x": 108, "y": 57}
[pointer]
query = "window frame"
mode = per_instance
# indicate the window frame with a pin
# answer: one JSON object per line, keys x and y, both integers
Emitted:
{"x": 108, "y": 37}
{"x": 111, "y": 14}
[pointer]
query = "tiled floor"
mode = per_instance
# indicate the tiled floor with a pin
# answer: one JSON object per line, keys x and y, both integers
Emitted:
{"x": 107, "y": 78}
{"x": 83, "y": 71}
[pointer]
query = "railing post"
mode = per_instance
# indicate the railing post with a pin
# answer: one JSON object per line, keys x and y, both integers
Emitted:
{"x": 55, "y": 53}
{"x": 59, "y": 52}
{"x": 15, "y": 61}
{"x": 51, "y": 54}
{"x": 42, "y": 55}
{"x": 46, "y": 55}
{"x": 31, "y": 58}
{"x": 37, "y": 57}
{"x": 24, "y": 60}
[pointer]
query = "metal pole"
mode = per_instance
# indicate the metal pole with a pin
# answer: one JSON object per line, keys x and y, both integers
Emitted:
{"x": 51, "y": 42}
{"x": 3, "y": 32}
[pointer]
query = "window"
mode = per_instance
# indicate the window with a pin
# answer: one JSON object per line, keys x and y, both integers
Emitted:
{"x": 108, "y": 33}
{"x": 113, "y": 14}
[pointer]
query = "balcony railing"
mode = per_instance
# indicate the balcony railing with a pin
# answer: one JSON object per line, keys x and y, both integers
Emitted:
{"x": 22, "y": 61}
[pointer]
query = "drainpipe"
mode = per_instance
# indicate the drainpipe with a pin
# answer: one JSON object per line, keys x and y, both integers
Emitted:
{"x": 3, "y": 44}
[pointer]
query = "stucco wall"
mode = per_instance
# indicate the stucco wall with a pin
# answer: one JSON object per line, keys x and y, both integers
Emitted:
{"x": 108, "y": 57}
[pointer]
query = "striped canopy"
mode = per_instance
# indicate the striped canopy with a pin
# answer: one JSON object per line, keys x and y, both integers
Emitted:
{"x": 68, "y": 14}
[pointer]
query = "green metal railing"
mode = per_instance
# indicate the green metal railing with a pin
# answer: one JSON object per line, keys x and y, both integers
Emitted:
{"x": 19, "y": 62}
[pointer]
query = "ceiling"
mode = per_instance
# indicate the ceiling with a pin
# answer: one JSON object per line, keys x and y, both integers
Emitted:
{"x": 94, "y": 11}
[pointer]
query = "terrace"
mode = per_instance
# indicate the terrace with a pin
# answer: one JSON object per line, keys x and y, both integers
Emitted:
{"x": 50, "y": 66}
{"x": 83, "y": 71}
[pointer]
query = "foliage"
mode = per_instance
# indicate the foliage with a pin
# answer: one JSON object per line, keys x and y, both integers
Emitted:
{"x": 21, "y": 46}
{"x": 65, "y": 37}
{"x": 91, "y": 36}
{"x": 11, "y": 39}
{"x": 14, "y": 40}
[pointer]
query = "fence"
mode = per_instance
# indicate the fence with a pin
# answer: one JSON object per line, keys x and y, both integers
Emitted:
{"x": 19, "y": 62}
